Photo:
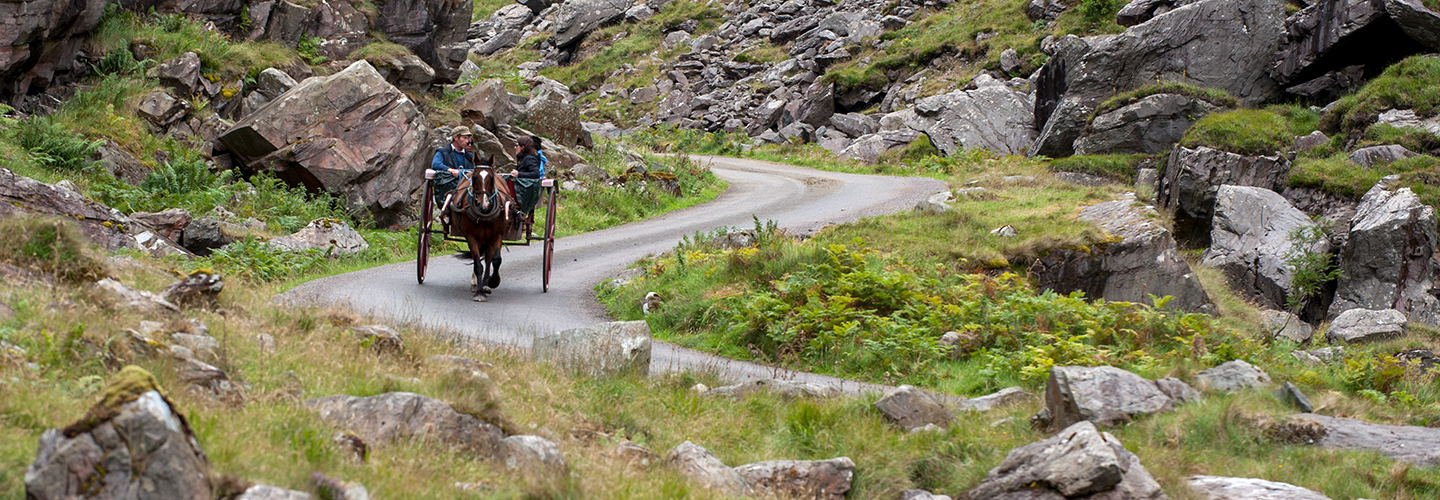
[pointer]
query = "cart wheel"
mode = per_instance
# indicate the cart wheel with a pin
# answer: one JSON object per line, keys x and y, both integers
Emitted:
{"x": 549, "y": 238}
{"x": 422, "y": 241}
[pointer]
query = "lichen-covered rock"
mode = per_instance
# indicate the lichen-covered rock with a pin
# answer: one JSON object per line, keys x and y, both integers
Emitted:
{"x": 702, "y": 467}
{"x": 1414, "y": 445}
{"x": 992, "y": 117}
{"x": 598, "y": 350}
{"x": 1366, "y": 325}
{"x": 1232, "y": 376}
{"x": 1102, "y": 394}
{"x": 910, "y": 408}
{"x": 1079, "y": 462}
{"x": 1284, "y": 325}
{"x": 532, "y": 455}
{"x": 1250, "y": 240}
{"x": 1150, "y": 125}
{"x": 136, "y": 300}
{"x": 401, "y": 415}
{"x": 784, "y": 388}
{"x": 332, "y": 236}
{"x": 1249, "y": 488}
{"x": 800, "y": 479}
{"x": 1194, "y": 176}
{"x": 1387, "y": 261}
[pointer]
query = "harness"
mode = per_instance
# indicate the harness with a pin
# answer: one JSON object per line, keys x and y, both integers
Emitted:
{"x": 475, "y": 206}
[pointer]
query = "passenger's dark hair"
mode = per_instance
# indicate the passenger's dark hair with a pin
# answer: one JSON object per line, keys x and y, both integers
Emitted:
{"x": 538, "y": 145}
{"x": 527, "y": 145}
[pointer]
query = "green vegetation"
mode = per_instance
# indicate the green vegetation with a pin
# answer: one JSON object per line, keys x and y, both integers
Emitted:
{"x": 1415, "y": 140}
{"x": 1408, "y": 84}
{"x": 171, "y": 35}
{"x": 1216, "y": 97}
{"x": 1242, "y": 131}
{"x": 1310, "y": 269}
{"x": 52, "y": 246}
{"x": 638, "y": 48}
{"x": 1119, "y": 167}
{"x": 1338, "y": 175}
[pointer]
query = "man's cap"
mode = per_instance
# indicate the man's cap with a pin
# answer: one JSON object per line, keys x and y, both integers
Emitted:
{"x": 459, "y": 131}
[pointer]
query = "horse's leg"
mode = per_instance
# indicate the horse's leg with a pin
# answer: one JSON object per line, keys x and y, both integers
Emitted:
{"x": 475, "y": 275}
{"x": 495, "y": 265}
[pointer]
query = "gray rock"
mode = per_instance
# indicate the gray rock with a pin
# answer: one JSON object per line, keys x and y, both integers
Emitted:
{"x": 333, "y": 237}
{"x": 785, "y": 389}
{"x": 1379, "y": 155}
{"x": 1292, "y": 396}
{"x": 577, "y": 18}
{"x": 1139, "y": 11}
{"x": 380, "y": 420}
{"x": 936, "y": 204}
{"x": 854, "y": 125}
{"x": 202, "y": 345}
{"x": 532, "y": 454}
{"x": 169, "y": 224}
{"x": 1009, "y": 61}
{"x": 1311, "y": 141}
{"x": 994, "y": 118}
{"x": 1387, "y": 262}
{"x": 1143, "y": 262}
{"x": 1193, "y": 176}
{"x": 635, "y": 454}
{"x": 380, "y": 338}
{"x": 181, "y": 74}
{"x": 1082, "y": 179}
{"x": 1319, "y": 356}
{"x": 639, "y": 13}
{"x": 922, "y": 495}
{"x": 800, "y": 479}
{"x": 1419, "y": 23}
{"x": 503, "y": 40}
{"x": 600, "y": 350}
{"x": 1080, "y": 461}
{"x": 162, "y": 109}
{"x": 643, "y": 95}
{"x": 263, "y": 492}
{"x": 101, "y": 225}
{"x": 1102, "y": 394}
{"x": 287, "y": 23}
{"x": 700, "y": 466}
{"x": 869, "y": 147}
{"x": 1179, "y": 391}
{"x": 135, "y": 300}
{"x": 273, "y": 83}
{"x": 1246, "y": 488}
{"x": 1407, "y": 118}
{"x": 1413, "y": 445}
{"x": 146, "y": 443}
{"x": 1250, "y": 241}
{"x": 433, "y": 30}
{"x": 1366, "y": 325}
{"x": 1233, "y": 376}
{"x": 1150, "y": 125}
{"x": 41, "y": 41}
{"x": 200, "y": 287}
{"x": 1315, "y": 38}
{"x": 1179, "y": 44}
{"x": 1283, "y": 325}
{"x": 204, "y": 235}
{"x": 912, "y": 408}
{"x": 1009, "y": 396}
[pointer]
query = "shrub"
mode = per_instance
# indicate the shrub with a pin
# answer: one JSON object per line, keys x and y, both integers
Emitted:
{"x": 54, "y": 146}
{"x": 50, "y": 245}
{"x": 1100, "y": 11}
{"x": 1243, "y": 131}
{"x": 1311, "y": 269}
{"x": 120, "y": 61}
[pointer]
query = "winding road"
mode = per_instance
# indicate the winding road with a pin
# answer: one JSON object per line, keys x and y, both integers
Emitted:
{"x": 800, "y": 200}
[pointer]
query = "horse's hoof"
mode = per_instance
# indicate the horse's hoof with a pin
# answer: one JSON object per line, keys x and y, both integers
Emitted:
{"x": 481, "y": 298}
{"x": 495, "y": 282}
{"x": 485, "y": 290}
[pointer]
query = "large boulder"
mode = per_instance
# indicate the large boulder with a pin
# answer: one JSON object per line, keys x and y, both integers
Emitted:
{"x": 1102, "y": 394}
{"x": 432, "y": 29}
{"x": 992, "y": 117}
{"x": 555, "y": 121}
{"x": 1224, "y": 44}
{"x": 341, "y": 28}
{"x": 869, "y": 147}
{"x": 911, "y": 408}
{"x": 1233, "y": 376}
{"x": 488, "y": 105}
{"x": 20, "y": 195}
{"x": 332, "y": 236}
{"x": 132, "y": 444}
{"x": 1139, "y": 261}
{"x": 800, "y": 479}
{"x": 181, "y": 73}
{"x": 401, "y": 415}
{"x": 577, "y": 18}
{"x": 1193, "y": 176}
{"x": 1249, "y": 488}
{"x": 1250, "y": 241}
{"x": 1322, "y": 38}
{"x": 1414, "y": 445}
{"x": 39, "y": 42}
{"x": 1366, "y": 325}
{"x": 1139, "y": 11}
{"x": 1079, "y": 462}
{"x": 533, "y": 455}
{"x": 599, "y": 350}
{"x": 1150, "y": 125}
{"x": 1419, "y": 22}
{"x": 351, "y": 134}
{"x": 1386, "y": 263}
{"x": 702, "y": 467}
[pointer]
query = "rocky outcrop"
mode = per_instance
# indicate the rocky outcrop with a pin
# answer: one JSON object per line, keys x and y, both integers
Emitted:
{"x": 1334, "y": 34}
{"x": 1366, "y": 325}
{"x": 1387, "y": 262}
{"x": 434, "y": 30}
{"x": 169, "y": 224}
{"x": 1139, "y": 11}
{"x": 1417, "y": 21}
{"x": 869, "y": 147}
{"x": 1232, "y": 376}
{"x": 1079, "y": 462}
{"x": 351, "y": 134}
{"x": 991, "y": 117}
{"x": 332, "y": 237}
{"x": 1102, "y": 394}
{"x": 911, "y": 408}
{"x": 1150, "y": 125}
{"x": 1193, "y": 176}
{"x": 1224, "y": 44}
{"x": 401, "y": 415}
{"x": 1414, "y": 445}
{"x": 800, "y": 479}
{"x": 1249, "y": 488}
{"x": 1139, "y": 261}
{"x": 20, "y": 195}
{"x": 39, "y": 42}
{"x": 577, "y": 18}
{"x": 600, "y": 350}
{"x": 133, "y": 440}
{"x": 1250, "y": 241}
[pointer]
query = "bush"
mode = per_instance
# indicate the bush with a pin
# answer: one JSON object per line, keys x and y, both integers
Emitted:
{"x": 54, "y": 146}
{"x": 1418, "y": 141}
{"x": 50, "y": 245}
{"x": 1243, "y": 131}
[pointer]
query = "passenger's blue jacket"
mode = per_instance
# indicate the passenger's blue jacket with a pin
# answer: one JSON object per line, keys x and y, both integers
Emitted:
{"x": 447, "y": 158}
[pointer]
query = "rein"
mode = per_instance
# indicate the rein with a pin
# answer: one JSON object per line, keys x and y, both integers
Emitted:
{"x": 486, "y": 206}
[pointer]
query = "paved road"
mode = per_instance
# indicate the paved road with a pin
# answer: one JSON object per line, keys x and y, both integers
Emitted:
{"x": 801, "y": 200}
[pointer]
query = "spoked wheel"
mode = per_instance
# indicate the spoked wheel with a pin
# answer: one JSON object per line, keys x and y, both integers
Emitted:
{"x": 422, "y": 240}
{"x": 549, "y": 248}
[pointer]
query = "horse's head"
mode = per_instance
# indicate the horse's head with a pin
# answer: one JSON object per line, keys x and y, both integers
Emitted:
{"x": 484, "y": 187}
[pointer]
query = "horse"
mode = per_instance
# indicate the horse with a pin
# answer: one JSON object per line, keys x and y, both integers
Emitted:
{"x": 480, "y": 212}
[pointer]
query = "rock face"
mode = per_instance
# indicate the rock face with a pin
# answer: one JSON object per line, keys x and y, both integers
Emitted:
{"x": 1232, "y": 376}
{"x": 599, "y": 350}
{"x": 1386, "y": 263}
{"x": 992, "y": 117}
{"x": 402, "y": 415}
{"x": 141, "y": 445}
{"x": 331, "y": 236}
{"x": 912, "y": 408}
{"x": 39, "y": 42}
{"x": 1250, "y": 240}
{"x": 800, "y": 479}
{"x": 431, "y": 29}
{"x": 1420, "y": 23}
{"x": 577, "y": 18}
{"x": 1193, "y": 176}
{"x": 351, "y": 133}
{"x": 1415, "y": 445}
{"x": 1322, "y": 38}
{"x": 1366, "y": 325}
{"x": 699, "y": 465}
{"x": 869, "y": 147}
{"x": 1149, "y": 125}
{"x": 1079, "y": 462}
{"x": 1143, "y": 262}
{"x": 1102, "y": 394}
{"x": 1248, "y": 488}
{"x": 1225, "y": 44}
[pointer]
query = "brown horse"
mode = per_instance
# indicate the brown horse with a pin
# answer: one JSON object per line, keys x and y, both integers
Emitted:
{"x": 481, "y": 213}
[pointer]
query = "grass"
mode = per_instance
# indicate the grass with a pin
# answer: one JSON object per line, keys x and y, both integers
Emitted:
{"x": 602, "y": 55}
{"x": 1119, "y": 167}
{"x": 172, "y": 35}
{"x": 1242, "y": 131}
{"x": 1407, "y": 84}
{"x": 1216, "y": 97}
{"x": 1337, "y": 175}
{"x": 602, "y": 205}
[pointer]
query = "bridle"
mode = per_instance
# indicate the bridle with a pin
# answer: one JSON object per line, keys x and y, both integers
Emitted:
{"x": 487, "y": 201}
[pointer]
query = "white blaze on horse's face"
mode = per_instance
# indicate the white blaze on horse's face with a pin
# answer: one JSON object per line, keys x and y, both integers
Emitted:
{"x": 484, "y": 178}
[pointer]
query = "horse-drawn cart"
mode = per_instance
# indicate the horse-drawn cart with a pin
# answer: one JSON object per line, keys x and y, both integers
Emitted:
{"x": 523, "y": 237}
